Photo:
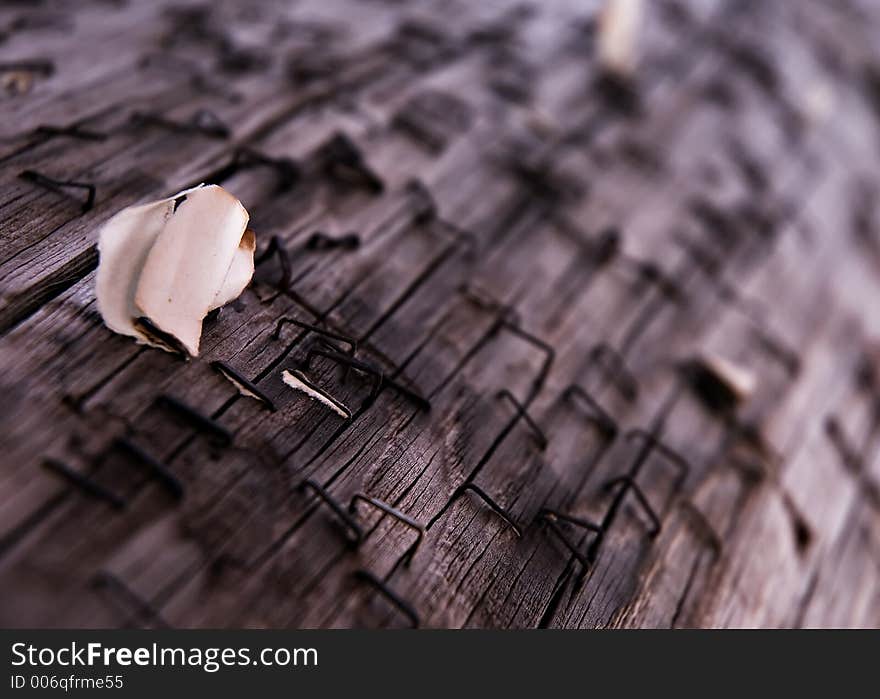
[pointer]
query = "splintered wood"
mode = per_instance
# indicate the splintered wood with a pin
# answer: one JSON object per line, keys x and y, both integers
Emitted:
{"x": 591, "y": 336}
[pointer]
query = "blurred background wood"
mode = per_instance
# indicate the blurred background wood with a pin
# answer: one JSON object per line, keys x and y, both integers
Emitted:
{"x": 496, "y": 170}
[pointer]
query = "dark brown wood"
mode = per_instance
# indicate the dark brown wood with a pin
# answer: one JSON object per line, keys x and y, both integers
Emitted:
{"x": 483, "y": 167}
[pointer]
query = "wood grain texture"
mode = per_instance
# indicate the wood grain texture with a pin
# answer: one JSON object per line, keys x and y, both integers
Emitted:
{"x": 742, "y": 183}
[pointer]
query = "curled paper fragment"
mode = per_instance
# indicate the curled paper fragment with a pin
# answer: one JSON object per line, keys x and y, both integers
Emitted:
{"x": 617, "y": 43}
{"x": 297, "y": 381}
{"x": 245, "y": 387}
{"x": 165, "y": 265}
{"x": 720, "y": 383}
{"x": 740, "y": 381}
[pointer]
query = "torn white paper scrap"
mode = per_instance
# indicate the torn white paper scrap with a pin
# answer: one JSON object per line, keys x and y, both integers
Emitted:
{"x": 617, "y": 43}
{"x": 186, "y": 267}
{"x": 740, "y": 381}
{"x": 123, "y": 245}
{"x": 297, "y": 381}
{"x": 172, "y": 262}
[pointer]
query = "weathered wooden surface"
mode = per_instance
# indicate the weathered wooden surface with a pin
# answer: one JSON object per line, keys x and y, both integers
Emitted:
{"x": 747, "y": 177}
